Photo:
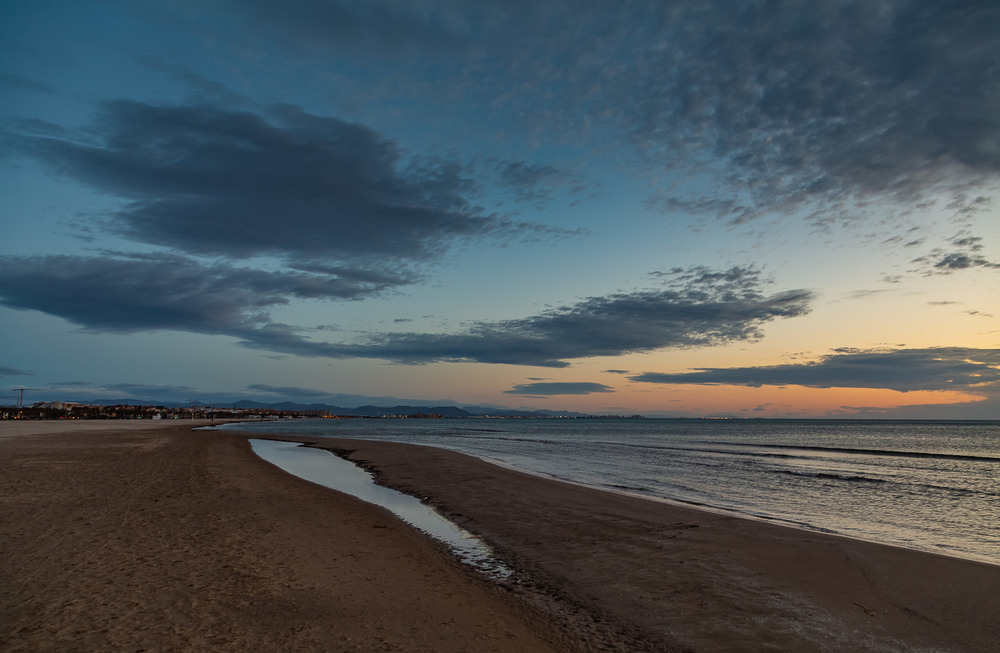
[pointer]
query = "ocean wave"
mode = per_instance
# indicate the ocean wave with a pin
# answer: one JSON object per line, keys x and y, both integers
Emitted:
{"x": 909, "y": 487}
{"x": 832, "y": 476}
{"x": 866, "y": 452}
{"x": 629, "y": 488}
{"x": 726, "y": 452}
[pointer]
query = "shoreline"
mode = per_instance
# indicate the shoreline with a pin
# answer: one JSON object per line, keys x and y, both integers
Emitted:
{"x": 632, "y": 558}
{"x": 317, "y": 441}
{"x": 928, "y": 546}
{"x": 735, "y": 514}
{"x": 167, "y": 539}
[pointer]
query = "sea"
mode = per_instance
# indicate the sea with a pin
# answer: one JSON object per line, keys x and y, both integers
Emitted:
{"x": 927, "y": 485}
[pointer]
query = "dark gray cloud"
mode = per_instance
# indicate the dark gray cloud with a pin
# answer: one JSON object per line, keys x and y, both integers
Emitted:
{"x": 214, "y": 181}
{"x": 963, "y": 255}
{"x": 13, "y": 371}
{"x": 820, "y": 101}
{"x": 699, "y": 307}
{"x": 521, "y": 174}
{"x": 952, "y": 261}
{"x": 938, "y": 368}
{"x": 149, "y": 292}
{"x": 535, "y": 182}
{"x": 816, "y": 105}
{"x": 834, "y": 99}
{"x": 558, "y": 388}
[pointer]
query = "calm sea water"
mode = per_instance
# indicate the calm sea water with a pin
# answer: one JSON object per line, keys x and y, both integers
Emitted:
{"x": 932, "y": 486}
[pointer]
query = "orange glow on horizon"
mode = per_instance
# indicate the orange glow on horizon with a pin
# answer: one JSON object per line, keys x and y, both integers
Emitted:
{"x": 772, "y": 401}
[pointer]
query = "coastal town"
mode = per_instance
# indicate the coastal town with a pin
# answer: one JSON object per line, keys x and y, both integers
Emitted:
{"x": 66, "y": 410}
{"x": 73, "y": 411}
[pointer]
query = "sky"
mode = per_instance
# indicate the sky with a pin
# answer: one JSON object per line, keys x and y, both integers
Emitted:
{"x": 691, "y": 208}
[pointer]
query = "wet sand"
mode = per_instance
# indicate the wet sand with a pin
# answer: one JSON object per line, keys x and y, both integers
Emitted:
{"x": 173, "y": 540}
{"x": 166, "y": 540}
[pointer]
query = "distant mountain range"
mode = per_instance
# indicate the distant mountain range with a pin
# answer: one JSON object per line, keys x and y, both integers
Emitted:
{"x": 360, "y": 411}
{"x": 379, "y": 411}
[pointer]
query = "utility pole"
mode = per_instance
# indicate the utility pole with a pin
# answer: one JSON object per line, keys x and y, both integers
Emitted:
{"x": 19, "y": 396}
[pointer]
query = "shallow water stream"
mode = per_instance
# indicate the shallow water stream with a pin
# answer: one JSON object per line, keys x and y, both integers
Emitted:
{"x": 329, "y": 470}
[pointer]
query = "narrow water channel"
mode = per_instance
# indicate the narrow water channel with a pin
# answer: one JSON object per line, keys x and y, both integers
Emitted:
{"x": 325, "y": 468}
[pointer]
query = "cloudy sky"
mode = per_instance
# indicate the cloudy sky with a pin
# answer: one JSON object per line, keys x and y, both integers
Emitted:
{"x": 670, "y": 208}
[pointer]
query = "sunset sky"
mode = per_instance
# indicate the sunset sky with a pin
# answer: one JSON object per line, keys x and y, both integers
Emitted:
{"x": 758, "y": 209}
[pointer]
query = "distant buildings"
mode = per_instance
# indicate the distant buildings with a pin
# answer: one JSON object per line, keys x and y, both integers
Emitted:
{"x": 71, "y": 410}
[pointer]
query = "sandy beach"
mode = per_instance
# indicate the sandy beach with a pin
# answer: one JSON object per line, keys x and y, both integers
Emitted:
{"x": 155, "y": 538}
